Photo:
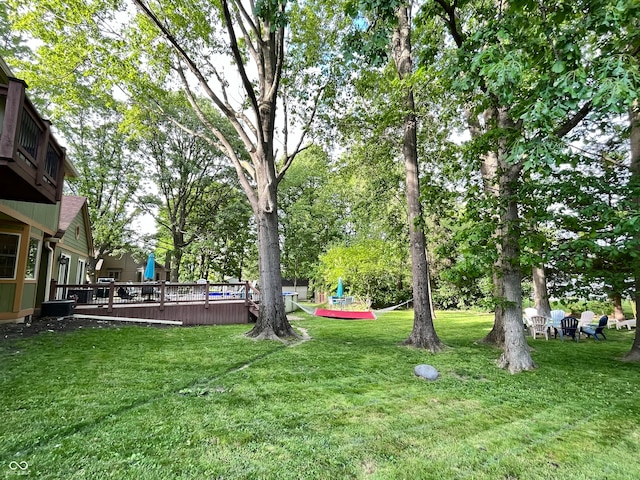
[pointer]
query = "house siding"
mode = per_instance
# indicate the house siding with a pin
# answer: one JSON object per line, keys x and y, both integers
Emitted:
{"x": 28, "y": 295}
{"x": 41, "y": 216}
{"x": 7, "y": 294}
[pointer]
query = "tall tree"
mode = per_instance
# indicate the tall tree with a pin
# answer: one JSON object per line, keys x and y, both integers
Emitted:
{"x": 393, "y": 19}
{"x": 312, "y": 213}
{"x": 634, "y": 122}
{"x": 423, "y": 334}
{"x": 256, "y": 41}
{"x": 110, "y": 174}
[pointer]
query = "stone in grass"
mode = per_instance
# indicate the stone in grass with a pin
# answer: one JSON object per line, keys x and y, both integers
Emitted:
{"x": 426, "y": 371}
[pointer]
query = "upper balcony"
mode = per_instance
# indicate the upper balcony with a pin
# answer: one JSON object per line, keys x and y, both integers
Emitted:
{"x": 32, "y": 164}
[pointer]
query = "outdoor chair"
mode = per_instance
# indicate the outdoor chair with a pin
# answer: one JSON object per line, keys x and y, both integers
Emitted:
{"x": 595, "y": 330}
{"x": 124, "y": 294}
{"x": 570, "y": 328}
{"x": 556, "y": 318}
{"x": 538, "y": 326}
{"x": 627, "y": 322}
{"x": 586, "y": 318}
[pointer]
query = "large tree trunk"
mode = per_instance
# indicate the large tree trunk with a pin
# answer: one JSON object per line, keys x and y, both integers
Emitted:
{"x": 423, "y": 334}
{"x": 516, "y": 354}
{"x": 272, "y": 320}
{"x": 500, "y": 180}
{"x": 540, "y": 293}
{"x": 634, "y": 119}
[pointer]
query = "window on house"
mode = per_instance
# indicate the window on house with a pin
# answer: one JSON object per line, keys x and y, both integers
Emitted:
{"x": 114, "y": 274}
{"x": 32, "y": 259}
{"x": 82, "y": 266}
{"x": 9, "y": 245}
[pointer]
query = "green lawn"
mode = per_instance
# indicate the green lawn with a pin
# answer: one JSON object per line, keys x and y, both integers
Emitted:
{"x": 206, "y": 402}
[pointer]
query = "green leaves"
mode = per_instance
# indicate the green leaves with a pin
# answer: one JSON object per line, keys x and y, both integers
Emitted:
{"x": 558, "y": 67}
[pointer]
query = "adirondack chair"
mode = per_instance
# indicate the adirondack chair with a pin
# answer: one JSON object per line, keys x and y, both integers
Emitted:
{"x": 538, "y": 326}
{"x": 570, "y": 328}
{"x": 586, "y": 318}
{"x": 556, "y": 318}
{"x": 627, "y": 322}
{"x": 528, "y": 313}
{"x": 595, "y": 330}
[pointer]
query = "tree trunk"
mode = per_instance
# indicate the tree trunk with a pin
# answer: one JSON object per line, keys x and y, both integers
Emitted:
{"x": 618, "y": 314}
{"x": 634, "y": 119}
{"x": 501, "y": 181}
{"x": 272, "y": 320}
{"x": 516, "y": 354}
{"x": 175, "y": 268}
{"x": 495, "y": 336}
{"x": 423, "y": 334}
{"x": 540, "y": 293}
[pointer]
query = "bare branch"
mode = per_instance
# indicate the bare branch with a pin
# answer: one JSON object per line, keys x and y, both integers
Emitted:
{"x": 572, "y": 122}
{"x": 305, "y": 130}
{"x": 185, "y": 56}
{"x": 279, "y": 61}
{"x": 252, "y": 26}
{"x": 242, "y": 168}
{"x": 240, "y": 64}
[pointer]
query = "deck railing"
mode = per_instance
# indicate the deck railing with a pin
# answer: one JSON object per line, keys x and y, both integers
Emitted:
{"x": 26, "y": 144}
{"x": 160, "y": 293}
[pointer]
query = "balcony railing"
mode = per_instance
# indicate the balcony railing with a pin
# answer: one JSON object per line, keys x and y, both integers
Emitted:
{"x": 31, "y": 161}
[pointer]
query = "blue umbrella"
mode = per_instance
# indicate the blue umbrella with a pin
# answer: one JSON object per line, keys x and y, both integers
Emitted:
{"x": 340, "y": 291}
{"x": 150, "y": 271}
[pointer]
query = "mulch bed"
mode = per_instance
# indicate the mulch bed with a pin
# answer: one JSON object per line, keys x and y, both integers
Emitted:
{"x": 10, "y": 331}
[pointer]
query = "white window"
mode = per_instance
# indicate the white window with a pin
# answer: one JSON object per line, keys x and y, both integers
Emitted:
{"x": 82, "y": 266}
{"x": 9, "y": 248}
{"x": 33, "y": 255}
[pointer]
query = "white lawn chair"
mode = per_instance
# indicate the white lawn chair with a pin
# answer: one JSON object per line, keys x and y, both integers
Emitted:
{"x": 628, "y": 322}
{"x": 528, "y": 313}
{"x": 586, "y": 318}
{"x": 538, "y": 326}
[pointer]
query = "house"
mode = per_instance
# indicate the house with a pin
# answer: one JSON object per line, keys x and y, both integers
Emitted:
{"x": 75, "y": 242}
{"x": 34, "y": 234}
{"x": 125, "y": 268}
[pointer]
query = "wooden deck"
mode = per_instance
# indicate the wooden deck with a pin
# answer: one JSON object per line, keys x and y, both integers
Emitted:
{"x": 223, "y": 312}
{"x": 184, "y": 303}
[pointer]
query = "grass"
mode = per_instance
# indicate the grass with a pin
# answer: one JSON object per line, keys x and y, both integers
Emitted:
{"x": 206, "y": 402}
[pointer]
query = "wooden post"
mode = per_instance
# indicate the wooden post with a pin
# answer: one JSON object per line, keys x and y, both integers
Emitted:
{"x": 41, "y": 159}
{"x": 112, "y": 287}
{"x": 12, "y": 118}
{"x": 162, "y": 295}
{"x": 206, "y": 295}
{"x": 52, "y": 289}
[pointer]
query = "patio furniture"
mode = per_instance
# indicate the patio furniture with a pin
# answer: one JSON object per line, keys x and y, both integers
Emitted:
{"x": 594, "y": 330}
{"x": 538, "y": 326}
{"x": 569, "y": 328}
{"x": 586, "y": 318}
{"x": 554, "y": 322}
{"x": 627, "y": 322}
{"x": 124, "y": 294}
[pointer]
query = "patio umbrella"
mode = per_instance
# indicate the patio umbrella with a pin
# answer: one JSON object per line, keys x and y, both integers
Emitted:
{"x": 150, "y": 271}
{"x": 340, "y": 291}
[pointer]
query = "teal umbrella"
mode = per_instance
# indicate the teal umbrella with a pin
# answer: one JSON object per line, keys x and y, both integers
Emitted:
{"x": 150, "y": 271}
{"x": 340, "y": 291}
